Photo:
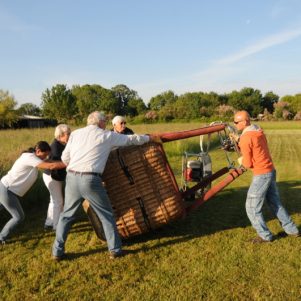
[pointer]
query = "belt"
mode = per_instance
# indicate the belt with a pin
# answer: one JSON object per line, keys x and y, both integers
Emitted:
{"x": 85, "y": 173}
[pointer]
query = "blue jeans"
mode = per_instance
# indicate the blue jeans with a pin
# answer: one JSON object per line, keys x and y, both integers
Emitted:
{"x": 264, "y": 187}
{"x": 78, "y": 188}
{"x": 12, "y": 204}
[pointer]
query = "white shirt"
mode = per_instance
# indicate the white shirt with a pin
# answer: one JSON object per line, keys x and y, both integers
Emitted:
{"x": 88, "y": 148}
{"x": 23, "y": 174}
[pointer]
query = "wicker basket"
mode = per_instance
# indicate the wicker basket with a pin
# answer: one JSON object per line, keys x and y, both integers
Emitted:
{"x": 142, "y": 189}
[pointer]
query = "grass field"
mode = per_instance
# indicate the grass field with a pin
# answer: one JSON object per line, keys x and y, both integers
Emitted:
{"x": 205, "y": 256}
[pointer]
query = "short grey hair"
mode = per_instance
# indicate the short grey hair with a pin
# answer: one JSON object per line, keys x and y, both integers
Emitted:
{"x": 60, "y": 130}
{"x": 117, "y": 119}
{"x": 95, "y": 117}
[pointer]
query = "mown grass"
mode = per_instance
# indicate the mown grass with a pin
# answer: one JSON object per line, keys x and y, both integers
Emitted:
{"x": 205, "y": 256}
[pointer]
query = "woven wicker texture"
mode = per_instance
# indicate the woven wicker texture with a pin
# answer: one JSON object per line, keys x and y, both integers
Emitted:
{"x": 142, "y": 189}
{"x": 96, "y": 223}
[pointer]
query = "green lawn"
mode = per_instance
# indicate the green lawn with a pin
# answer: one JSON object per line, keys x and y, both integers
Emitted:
{"x": 205, "y": 256}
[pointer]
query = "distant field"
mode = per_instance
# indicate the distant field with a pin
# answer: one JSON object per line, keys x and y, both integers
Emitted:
{"x": 206, "y": 256}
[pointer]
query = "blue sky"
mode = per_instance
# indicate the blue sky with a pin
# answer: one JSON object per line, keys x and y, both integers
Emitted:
{"x": 150, "y": 45}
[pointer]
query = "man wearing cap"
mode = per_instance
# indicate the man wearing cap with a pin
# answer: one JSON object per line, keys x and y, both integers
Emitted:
{"x": 256, "y": 156}
{"x": 85, "y": 155}
{"x": 119, "y": 126}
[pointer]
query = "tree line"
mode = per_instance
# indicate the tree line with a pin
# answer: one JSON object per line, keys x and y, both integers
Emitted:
{"x": 72, "y": 105}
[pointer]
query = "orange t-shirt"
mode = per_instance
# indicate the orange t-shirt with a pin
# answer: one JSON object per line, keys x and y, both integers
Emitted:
{"x": 255, "y": 151}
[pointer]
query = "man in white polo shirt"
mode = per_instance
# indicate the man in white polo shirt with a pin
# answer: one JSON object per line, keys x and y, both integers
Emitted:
{"x": 85, "y": 155}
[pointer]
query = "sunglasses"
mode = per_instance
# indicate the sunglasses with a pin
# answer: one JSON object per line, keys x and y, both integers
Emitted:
{"x": 123, "y": 122}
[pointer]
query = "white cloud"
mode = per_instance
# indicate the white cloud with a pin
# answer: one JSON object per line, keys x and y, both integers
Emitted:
{"x": 224, "y": 75}
{"x": 227, "y": 73}
{"x": 234, "y": 66}
{"x": 261, "y": 45}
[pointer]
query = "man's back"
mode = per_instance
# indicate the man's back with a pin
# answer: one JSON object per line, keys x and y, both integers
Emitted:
{"x": 88, "y": 149}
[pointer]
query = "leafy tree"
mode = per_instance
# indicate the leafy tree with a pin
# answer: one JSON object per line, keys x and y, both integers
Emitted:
{"x": 29, "y": 109}
{"x": 294, "y": 102}
{"x": 59, "y": 103}
{"x": 281, "y": 110}
{"x": 188, "y": 105}
{"x": 91, "y": 98}
{"x": 223, "y": 99}
{"x": 123, "y": 94}
{"x": 268, "y": 101}
{"x": 267, "y": 116}
{"x": 246, "y": 99}
{"x": 225, "y": 111}
{"x": 197, "y": 105}
{"x": 298, "y": 116}
{"x": 8, "y": 114}
{"x": 159, "y": 101}
{"x": 209, "y": 102}
{"x": 151, "y": 116}
{"x": 135, "y": 106}
{"x": 167, "y": 112}
{"x": 212, "y": 100}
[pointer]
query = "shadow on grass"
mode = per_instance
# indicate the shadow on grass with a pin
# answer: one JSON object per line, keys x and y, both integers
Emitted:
{"x": 223, "y": 212}
{"x": 72, "y": 255}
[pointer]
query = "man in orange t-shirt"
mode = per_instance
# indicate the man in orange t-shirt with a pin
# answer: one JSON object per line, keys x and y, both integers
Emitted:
{"x": 256, "y": 156}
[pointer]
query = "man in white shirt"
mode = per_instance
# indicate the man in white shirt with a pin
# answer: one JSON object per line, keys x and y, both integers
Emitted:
{"x": 85, "y": 155}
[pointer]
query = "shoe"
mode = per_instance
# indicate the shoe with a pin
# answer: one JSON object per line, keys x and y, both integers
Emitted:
{"x": 2, "y": 242}
{"x": 59, "y": 258}
{"x": 259, "y": 240}
{"x": 114, "y": 255}
{"x": 295, "y": 234}
{"x": 48, "y": 228}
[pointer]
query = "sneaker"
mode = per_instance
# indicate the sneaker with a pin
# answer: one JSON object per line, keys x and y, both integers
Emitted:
{"x": 259, "y": 240}
{"x": 114, "y": 255}
{"x": 295, "y": 234}
{"x": 48, "y": 228}
{"x": 59, "y": 258}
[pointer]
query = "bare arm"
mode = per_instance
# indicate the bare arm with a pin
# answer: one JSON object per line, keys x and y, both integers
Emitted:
{"x": 52, "y": 165}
